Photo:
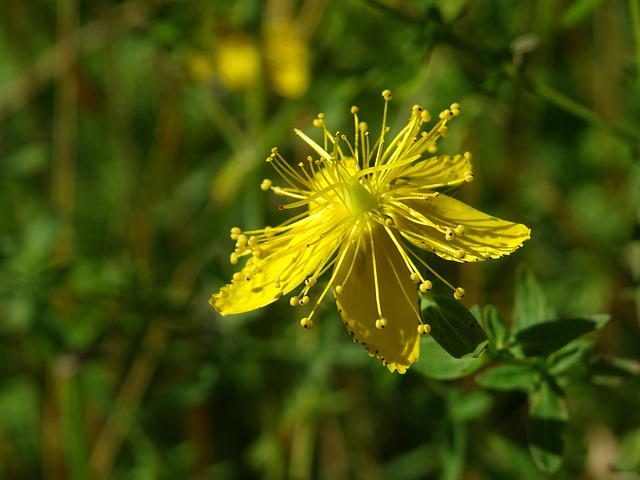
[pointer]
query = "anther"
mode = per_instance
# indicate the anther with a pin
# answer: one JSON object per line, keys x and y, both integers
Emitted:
{"x": 265, "y": 185}
{"x": 426, "y": 286}
{"x": 459, "y": 254}
{"x": 354, "y": 109}
{"x": 363, "y": 127}
{"x": 467, "y": 156}
{"x": 233, "y": 258}
{"x": 459, "y": 230}
{"x": 425, "y": 116}
{"x": 311, "y": 281}
{"x": 304, "y": 300}
{"x": 238, "y": 276}
{"x": 294, "y": 301}
{"x": 444, "y": 131}
{"x": 448, "y": 234}
{"x": 276, "y": 283}
{"x": 241, "y": 241}
{"x": 381, "y": 323}
{"x": 389, "y": 222}
{"x": 386, "y": 94}
{"x": 468, "y": 176}
{"x": 415, "y": 277}
{"x": 459, "y": 293}
{"x": 235, "y": 231}
{"x": 424, "y": 328}
{"x": 278, "y": 295}
{"x": 306, "y": 322}
{"x": 339, "y": 289}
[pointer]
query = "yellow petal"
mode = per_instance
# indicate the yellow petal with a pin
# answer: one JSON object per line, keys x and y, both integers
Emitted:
{"x": 482, "y": 236}
{"x": 398, "y": 343}
{"x": 278, "y": 270}
{"x": 443, "y": 170}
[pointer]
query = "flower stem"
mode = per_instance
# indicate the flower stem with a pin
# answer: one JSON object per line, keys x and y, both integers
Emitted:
{"x": 580, "y": 111}
{"x": 634, "y": 13}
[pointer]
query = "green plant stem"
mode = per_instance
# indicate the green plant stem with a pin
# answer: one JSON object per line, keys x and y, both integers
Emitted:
{"x": 120, "y": 421}
{"x": 580, "y": 111}
{"x": 634, "y": 13}
{"x": 70, "y": 404}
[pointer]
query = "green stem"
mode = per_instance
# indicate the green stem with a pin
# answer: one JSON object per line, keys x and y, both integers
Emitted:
{"x": 580, "y": 111}
{"x": 634, "y": 8}
{"x": 72, "y": 435}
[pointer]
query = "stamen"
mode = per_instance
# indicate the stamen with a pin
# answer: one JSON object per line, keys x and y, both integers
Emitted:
{"x": 266, "y": 184}
{"x": 448, "y": 234}
{"x": 424, "y": 328}
{"x": 381, "y": 323}
{"x": 426, "y": 286}
{"x": 235, "y": 231}
{"x": 306, "y": 322}
{"x": 459, "y": 293}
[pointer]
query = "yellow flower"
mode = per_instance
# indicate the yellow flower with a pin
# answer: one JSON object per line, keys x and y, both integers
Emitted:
{"x": 363, "y": 207}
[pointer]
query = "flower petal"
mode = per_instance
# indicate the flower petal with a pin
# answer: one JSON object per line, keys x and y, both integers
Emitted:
{"x": 423, "y": 223}
{"x": 398, "y": 343}
{"x": 435, "y": 172}
{"x": 279, "y": 269}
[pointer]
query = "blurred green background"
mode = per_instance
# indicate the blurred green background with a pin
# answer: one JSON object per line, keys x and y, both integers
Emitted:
{"x": 133, "y": 137}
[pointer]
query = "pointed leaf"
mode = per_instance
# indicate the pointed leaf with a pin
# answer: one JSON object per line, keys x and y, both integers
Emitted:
{"x": 530, "y": 304}
{"x": 613, "y": 372}
{"x": 569, "y": 356}
{"x": 507, "y": 377}
{"x": 452, "y": 325}
{"x": 494, "y": 327}
{"x": 629, "y": 452}
{"x": 436, "y": 363}
{"x": 545, "y": 338}
{"x": 547, "y": 418}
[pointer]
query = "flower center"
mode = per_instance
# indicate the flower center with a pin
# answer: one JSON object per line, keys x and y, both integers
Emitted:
{"x": 358, "y": 198}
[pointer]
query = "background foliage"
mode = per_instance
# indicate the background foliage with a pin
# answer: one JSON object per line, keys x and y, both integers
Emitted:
{"x": 133, "y": 136}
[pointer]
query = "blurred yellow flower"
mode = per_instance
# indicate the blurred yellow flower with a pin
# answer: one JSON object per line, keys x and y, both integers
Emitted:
{"x": 287, "y": 58}
{"x": 362, "y": 205}
{"x": 237, "y": 61}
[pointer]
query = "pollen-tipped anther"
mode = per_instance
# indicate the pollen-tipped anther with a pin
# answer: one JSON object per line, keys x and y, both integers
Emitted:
{"x": 381, "y": 323}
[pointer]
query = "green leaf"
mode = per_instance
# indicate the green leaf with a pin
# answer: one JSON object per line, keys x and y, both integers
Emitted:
{"x": 508, "y": 377}
{"x": 436, "y": 363}
{"x": 629, "y": 452}
{"x": 464, "y": 407}
{"x": 545, "y": 338}
{"x": 613, "y": 372}
{"x": 530, "y": 304}
{"x": 452, "y": 325}
{"x": 547, "y": 418}
{"x": 577, "y": 12}
{"x": 563, "y": 359}
{"x": 494, "y": 327}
